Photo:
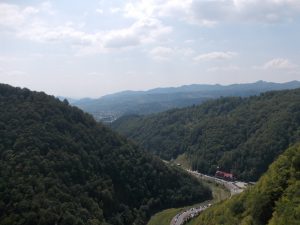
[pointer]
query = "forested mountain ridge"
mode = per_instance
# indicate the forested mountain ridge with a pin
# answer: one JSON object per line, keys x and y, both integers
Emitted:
{"x": 110, "y": 107}
{"x": 274, "y": 200}
{"x": 241, "y": 135}
{"x": 58, "y": 166}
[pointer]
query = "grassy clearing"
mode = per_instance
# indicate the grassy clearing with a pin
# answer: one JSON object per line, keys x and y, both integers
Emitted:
{"x": 219, "y": 192}
{"x": 183, "y": 161}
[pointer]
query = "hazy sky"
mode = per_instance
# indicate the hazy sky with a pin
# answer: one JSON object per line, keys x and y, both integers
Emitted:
{"x": 91, "y": 48}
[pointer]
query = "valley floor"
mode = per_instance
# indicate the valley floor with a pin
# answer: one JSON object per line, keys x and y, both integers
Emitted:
{"x": 165, "y": 217}
{"x": 189, "y": 214}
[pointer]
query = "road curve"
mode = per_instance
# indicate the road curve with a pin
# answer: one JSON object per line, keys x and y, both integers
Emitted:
{"x": 235, "y": 187}
{"x": 184, "y": 216}
{"x": 188, "y": 214}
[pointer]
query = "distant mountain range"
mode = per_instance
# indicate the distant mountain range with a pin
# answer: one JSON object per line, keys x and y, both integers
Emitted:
{"x": 110, "y": 107}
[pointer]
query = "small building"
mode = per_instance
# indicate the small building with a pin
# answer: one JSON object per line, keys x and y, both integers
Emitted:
{"x": 224, "y": 175}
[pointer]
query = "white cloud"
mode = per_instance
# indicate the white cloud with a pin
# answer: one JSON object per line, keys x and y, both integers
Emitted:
{"x": 13, "y": 15}
{"x": 212, "y": 12}
{"x": 118, "y": 40}
{"x": 46, "y": 7}
{"x": 42, "y": 32}
{"x": 269, "y": 11}
{"x": 179, "y": 9}
{"x": 142, "y": 31}
{"x": 100, "y": 11}
{"x": 189, "y": 41}
{"x": 25, "y": 22}
{"x": 230, "y": 68}
{"x": 115, "y": 10}
{"x": 215, "y": 56}
{"x": 186, "y": 51}
{"x": 156, "y": 8}
{"x": 162, "y": 53}
{"x": 279, "y": 63}
{"x": 149, "y": 29}
{"x": 24, "y": 25}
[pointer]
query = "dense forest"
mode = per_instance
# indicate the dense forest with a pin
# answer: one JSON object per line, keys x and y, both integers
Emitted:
{"x": 274, "y": 200}
{"x": 59, "y": 166}
{"x": 238, "y": 135}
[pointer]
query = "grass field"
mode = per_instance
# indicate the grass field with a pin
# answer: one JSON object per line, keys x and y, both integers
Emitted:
{"x": 165, "y": 217}
{"x": 183, "y": 161}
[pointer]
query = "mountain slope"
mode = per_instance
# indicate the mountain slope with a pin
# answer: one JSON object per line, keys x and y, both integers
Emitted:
{"x": 241, "y": 135}
{"x": 274, "y": 200}
{"x": 110, "y": 107}
{"x": 58, "y": 166}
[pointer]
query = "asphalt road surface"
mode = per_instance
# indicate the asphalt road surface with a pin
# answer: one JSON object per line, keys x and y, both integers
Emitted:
{"x": 188, "y": 214}
{"x": 234, "y": 188}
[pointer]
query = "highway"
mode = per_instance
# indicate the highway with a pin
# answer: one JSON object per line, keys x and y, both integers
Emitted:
{"x": 234, "y": 188}
{"x": 188, "y": 214}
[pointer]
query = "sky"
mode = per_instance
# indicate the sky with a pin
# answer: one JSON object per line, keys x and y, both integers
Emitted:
{"x": 92, "y": 48}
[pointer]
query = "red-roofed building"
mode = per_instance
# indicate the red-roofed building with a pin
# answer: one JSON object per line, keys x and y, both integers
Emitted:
{"x": 224, "y": 175}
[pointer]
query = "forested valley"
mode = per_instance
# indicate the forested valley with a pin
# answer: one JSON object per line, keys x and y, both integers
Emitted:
{"x": 239, "y": 135}
{"x": 59, "y": 166}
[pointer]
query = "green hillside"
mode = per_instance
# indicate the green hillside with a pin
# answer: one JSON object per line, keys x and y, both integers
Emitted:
{"x": 241, "y": 135}
{"x": 58, "y": 166}
{"x": 274, "y": 200}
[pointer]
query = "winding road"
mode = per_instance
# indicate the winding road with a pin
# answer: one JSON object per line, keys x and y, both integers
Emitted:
{"x": 188, "y": 214}
{"x": 234, "y": 188}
